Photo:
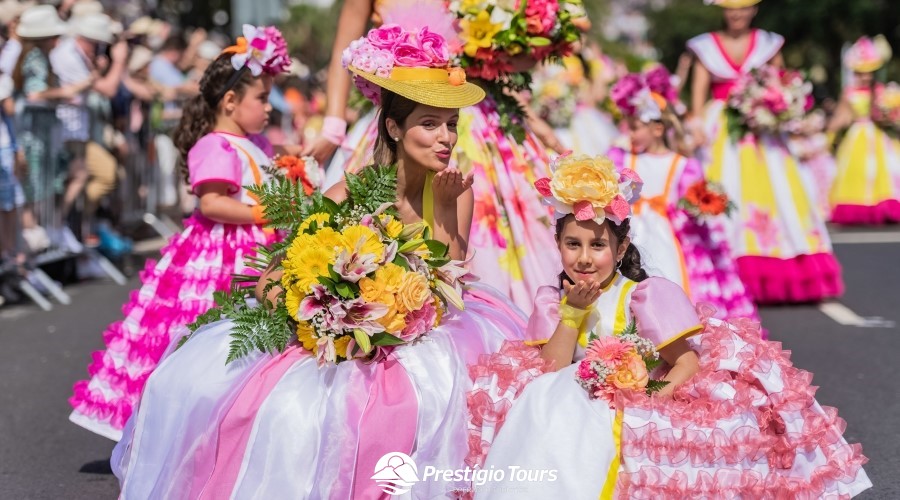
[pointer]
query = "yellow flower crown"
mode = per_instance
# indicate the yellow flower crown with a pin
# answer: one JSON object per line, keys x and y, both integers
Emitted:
{"x": 591, "y": 188}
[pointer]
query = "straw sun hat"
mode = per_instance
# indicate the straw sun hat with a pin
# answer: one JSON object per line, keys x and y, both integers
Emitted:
{"x": 41, "y": 21}
{"x": 437, "y": 87}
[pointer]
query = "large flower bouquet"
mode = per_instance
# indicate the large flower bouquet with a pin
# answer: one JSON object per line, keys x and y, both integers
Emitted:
{"x": 768, "y": 100}
{"x": 356, "y": 281}
{"x": 886, "y": 108}
{"x": 497, "y": 34}
{"x": 554, "y": 93}
{"x": 304, "y": 171}
{"x": 619, "y": 363}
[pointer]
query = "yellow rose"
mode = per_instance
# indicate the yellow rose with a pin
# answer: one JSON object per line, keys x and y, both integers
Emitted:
{"x": 632, "y": 374}
{"x": 391, "y": 275}
{"x": 583, "y": 178}
{"x": 340, "y": 346}
{"x": 307, "y": 336}
{"x": 393, "y": 322}
{"x": 318, "y": 217}
{"x": 375, "y": 290}
{"x": 371, "y": 242}
{"x": 392, "y": 227}
{"x": 414, "y": 291}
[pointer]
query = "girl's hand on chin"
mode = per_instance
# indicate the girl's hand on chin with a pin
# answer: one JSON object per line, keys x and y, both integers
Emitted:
{"x": 583, "y": 294}
{"x": 449, "y": 184}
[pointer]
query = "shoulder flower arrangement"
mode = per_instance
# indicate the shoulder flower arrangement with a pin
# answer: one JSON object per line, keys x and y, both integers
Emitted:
{"x": 356, "y": 281}
{"x": 768, "y": 100}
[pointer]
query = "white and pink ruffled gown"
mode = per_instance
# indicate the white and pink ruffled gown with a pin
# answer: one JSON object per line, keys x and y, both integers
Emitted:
{"x": 175, "y": 289}
{"x": 281, "y": 426}
{"x": 746, "y": 426}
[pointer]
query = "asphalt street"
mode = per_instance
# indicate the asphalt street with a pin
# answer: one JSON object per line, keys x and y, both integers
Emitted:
{"x": 44, "y": 456}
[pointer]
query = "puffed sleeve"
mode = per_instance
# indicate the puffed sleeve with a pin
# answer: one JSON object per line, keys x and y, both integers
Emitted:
{"x": 617, "y": 156}
{"x": 214, "y": 159}
{"x": 692, "y": 173}
{"x": 663, "y": 312}
{"x": 262, "y": 143}
{"x": 545, "y": 317}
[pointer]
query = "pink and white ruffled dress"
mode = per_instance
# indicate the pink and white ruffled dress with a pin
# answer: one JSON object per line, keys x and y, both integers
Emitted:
{"x": 175, "y": 289}
{"x": 746, "y": 426}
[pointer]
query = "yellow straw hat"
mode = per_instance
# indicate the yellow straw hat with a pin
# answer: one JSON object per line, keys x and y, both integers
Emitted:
{"x": 733, "y": 4}
{"x": 437, "y": 87}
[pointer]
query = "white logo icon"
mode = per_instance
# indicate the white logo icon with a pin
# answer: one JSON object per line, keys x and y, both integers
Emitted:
{"x": 396, "y": 473}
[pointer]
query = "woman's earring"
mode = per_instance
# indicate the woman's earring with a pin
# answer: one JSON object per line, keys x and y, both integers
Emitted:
{"x": 618, "y": 265}
{"x": 396, "y": 139}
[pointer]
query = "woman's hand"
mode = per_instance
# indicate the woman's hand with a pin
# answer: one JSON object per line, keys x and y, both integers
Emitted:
{"x": 321, "y": 149}
{"x": 582, "y": 295}
{"x": 449, "y": 184}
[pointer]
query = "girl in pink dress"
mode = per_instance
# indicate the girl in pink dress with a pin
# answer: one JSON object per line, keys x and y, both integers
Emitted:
{"x": 735, "y": 420}
{"x": 220, "y": 139}
{"x": 676, "y": 245}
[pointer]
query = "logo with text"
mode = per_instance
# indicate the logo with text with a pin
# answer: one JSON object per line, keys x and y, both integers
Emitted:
{"x": 396, "y": 473}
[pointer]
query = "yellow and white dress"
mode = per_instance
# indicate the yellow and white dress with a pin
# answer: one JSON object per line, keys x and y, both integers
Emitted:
{"x": 777, "y": 236}
{"x": 866, "y": 189}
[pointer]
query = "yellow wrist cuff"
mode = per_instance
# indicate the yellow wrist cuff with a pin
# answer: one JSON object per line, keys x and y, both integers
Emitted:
{"x": 572, "y": 316}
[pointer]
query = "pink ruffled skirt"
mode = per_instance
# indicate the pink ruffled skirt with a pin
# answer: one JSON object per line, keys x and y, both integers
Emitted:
{"x": 174, "y": 291}
{"x": 746, "y": 426}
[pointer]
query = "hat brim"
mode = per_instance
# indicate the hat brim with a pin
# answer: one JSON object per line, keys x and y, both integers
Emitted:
{"x": 47, "y": 31}
{"x": 737, "y": 4}
{"x": 867, "y": 66}
{"x": 438, "y": 94}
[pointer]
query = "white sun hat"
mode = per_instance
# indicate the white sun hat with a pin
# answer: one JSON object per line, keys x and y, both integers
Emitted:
{"x": 85, "y": 8}
{"x": 41, "y": 21}
{"x": 96, "y": 27}
{"x": 10, "y": 10}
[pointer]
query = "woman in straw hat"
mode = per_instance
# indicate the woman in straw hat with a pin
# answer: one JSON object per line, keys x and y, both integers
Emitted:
{"x": 777, "y": 234}
{"x": 866, "y": 189}
{"x": 511, "y": 232}
{"x": 284, "y": 426}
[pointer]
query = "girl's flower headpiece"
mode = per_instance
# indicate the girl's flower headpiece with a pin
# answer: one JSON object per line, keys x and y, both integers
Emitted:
{"x": 412, "y": 63}
{"x": 261, "y": 49}
{"x": 868, "y": 54}
{"x": 591, "y": 188}
{"x": 646, "y": 95}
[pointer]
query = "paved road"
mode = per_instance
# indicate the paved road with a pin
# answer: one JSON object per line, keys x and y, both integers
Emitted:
{"x": 43, "y": 456}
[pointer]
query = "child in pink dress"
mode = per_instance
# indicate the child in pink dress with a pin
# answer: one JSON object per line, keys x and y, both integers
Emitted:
{"x": 220, "y": 139}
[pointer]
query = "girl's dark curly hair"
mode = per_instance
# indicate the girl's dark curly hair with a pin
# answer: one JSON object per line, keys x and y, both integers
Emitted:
{"x": 199, "y": 114}
{"x": 631, "y": 261}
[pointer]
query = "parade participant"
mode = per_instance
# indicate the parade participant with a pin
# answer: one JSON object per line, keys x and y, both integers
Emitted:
{"x": 777, "y": 236}
{"x": 675, "y": 224}
{"x": 866, "y": 189}
{"x": 313, "y": 421}
{"x": 219, "y": 138}
{"x": 724, "y": 414}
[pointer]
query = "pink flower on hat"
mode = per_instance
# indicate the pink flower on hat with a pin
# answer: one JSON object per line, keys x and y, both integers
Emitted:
{"x": 618, "y": 209}
{"x": 543, "y": 186}
{"x": 387, "y": 36}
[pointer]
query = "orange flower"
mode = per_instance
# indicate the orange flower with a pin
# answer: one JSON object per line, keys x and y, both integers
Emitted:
{"x": 295, "y": 170}
{"x": 707, "y": 202}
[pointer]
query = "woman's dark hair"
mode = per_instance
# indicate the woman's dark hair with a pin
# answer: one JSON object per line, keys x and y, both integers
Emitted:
{"x": 631, "y": 261}
{"x": 199, "y": 114}
{"x": 397, "y": 108}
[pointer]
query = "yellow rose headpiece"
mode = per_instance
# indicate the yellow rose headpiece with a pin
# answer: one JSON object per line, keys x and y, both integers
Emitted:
{"x": 591, "y": 188}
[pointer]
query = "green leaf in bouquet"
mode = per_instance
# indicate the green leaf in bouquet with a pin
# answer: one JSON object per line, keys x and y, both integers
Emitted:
{"x": 656, "y": 386}
{"x": 384, "y": 339}
{"x": 344, "y": 290}
{"x": 436, "y": 248}
{"x": 329, "y": 284}
{"x": 652, "y": 364}
{"x": 363, "y": 340}
{"x": 539, "y": 41}
{"x": 333, "y": 274}
{"x": 438, "y": 262}
{"x": 400, "y": 261}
